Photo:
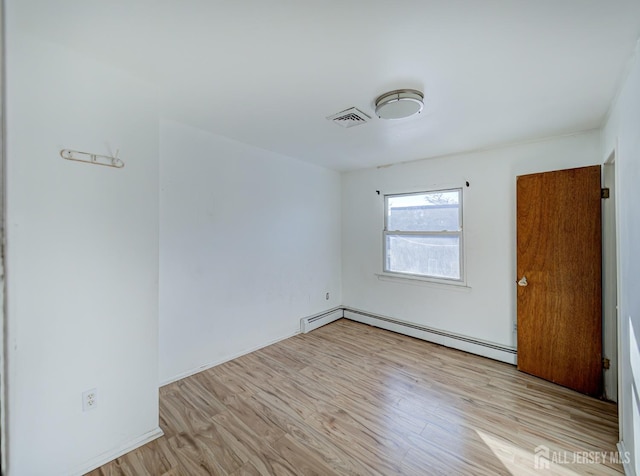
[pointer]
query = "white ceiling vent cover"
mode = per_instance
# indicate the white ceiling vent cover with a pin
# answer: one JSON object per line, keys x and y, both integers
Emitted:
{"x": 350, "y": 117}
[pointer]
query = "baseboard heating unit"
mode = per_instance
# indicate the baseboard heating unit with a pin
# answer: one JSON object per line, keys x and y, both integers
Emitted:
{"x": 310, "y": 323}
{"x": 491, "y": 350}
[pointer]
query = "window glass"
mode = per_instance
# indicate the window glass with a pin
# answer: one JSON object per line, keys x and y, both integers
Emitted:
{"x": 437, "y": 256}
{"x": 423, "y": 234}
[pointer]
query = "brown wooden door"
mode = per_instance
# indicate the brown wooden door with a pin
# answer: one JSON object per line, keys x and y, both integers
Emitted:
{"x": 560, "y": 254}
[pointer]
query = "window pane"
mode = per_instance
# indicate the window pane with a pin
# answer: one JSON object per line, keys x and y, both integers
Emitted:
{"x": 432, "y": 211}
{"x": 436, "y": 256}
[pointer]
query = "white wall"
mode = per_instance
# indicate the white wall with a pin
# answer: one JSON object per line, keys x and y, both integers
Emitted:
{"x": 623, "y": 129}
{"x": 249, "y": 244}
{"x": 486, "y": 309}
{"x": 82, "y": 256}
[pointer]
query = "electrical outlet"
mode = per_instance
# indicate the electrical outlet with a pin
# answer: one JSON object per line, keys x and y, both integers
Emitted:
{"x": 89, "y": 399}
{"x": 327, "y": 296}
{"x": 515, "y": 327}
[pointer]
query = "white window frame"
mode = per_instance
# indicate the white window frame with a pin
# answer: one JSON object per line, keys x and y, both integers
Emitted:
{"x": 459, "y": 233}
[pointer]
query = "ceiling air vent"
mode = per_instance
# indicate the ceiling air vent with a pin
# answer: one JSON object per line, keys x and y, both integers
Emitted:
{"x": 349, "y": 117}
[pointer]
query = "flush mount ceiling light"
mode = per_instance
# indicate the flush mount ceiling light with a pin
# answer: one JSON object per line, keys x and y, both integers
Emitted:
{"x": 399, "y": 104}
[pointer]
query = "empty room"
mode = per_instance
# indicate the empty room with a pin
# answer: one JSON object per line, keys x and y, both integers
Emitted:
{"x": 318, "y": 238}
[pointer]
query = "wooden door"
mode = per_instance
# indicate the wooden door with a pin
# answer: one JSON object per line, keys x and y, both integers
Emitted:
{"x": 559, "y": 250}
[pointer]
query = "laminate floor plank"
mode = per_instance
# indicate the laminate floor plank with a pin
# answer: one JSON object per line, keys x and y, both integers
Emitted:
{"x": 350, "y": 399}
{"x": 192, "y": 457}
{"x": 234, "y": 382}
{"x": 285, "y": 357}
{"x": 216, "y": 386}
{"x": 246, "y": 470}
{"x": 255, "y": 450}
{"x": 314, "y": 441}
{"x": 374, "y": 440}
{"x": 259, "y": 423}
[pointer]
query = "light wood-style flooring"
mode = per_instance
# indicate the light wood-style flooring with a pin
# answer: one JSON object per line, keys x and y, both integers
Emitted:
{"x": 353, "y": 399}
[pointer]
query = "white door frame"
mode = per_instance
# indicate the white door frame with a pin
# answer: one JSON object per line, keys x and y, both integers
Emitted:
{"x": 611, "y": 288}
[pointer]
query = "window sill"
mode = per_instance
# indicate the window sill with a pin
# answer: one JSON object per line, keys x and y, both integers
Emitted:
{"x": 418, "y": 281}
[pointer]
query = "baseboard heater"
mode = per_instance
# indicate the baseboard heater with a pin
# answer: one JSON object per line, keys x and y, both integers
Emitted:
{"x": 310, "y": 323}
{"x": 491, "y": 350}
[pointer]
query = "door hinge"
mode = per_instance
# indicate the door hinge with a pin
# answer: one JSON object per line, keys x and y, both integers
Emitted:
{"x": 604, "y": 193}
{"x": 606, "y": 364}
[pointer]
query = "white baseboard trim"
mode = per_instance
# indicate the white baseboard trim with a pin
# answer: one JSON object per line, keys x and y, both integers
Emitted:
{"x": 491, "y": 350}
{"x": 204, "y": 367}
{"x": 626, "y": 463}
{"x": 131, "y": 445}
{"x": 307, "y": 324}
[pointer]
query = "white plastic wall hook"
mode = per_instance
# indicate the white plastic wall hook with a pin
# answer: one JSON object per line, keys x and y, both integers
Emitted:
{"x": 90, "y": 158}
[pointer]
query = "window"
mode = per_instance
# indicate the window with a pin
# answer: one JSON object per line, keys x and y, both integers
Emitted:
{"x": 423, "y": 234}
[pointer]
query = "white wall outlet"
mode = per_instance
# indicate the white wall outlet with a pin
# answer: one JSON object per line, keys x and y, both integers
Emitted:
{"x": 327, "y": 296}
{"x": 89, "y": 399}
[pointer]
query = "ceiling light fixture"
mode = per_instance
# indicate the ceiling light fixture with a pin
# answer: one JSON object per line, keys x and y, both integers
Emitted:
{"x": 399, "y": 104}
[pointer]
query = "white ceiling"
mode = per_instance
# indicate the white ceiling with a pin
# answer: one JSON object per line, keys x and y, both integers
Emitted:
{"x": 268, "y": 72}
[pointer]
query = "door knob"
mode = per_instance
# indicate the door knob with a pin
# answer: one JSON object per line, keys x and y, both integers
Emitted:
{"x": 523, "y": 281}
